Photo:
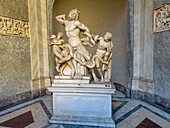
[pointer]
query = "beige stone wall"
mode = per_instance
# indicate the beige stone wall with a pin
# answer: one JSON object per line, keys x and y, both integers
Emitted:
{"x": 15, "y": 64}
{"x": 101, "y": 16}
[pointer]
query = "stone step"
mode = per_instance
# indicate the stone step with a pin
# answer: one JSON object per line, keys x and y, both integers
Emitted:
{"x": 102, "y": 122}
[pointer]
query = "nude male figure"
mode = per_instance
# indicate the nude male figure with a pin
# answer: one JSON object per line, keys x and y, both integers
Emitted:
{"x": 73, "y": 28}
{"x": 104, "y": 50}
{"x": 63, "y": 54}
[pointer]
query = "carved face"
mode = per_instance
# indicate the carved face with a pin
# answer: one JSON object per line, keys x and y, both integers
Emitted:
{"x": 60, "y": 35}
{"x": 73, "y": 14}
{"x": 107, "y": 36}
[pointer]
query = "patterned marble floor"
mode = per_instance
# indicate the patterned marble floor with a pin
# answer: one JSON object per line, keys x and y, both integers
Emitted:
{"x": 128, "y": 113}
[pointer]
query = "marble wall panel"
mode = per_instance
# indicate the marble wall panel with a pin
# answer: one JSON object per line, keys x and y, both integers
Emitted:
{"x": 161, "y": 65}
{"x": 15, "y": 63}
{"x": 14, "y": 66}
{"x": 162, "y": 59}
{"x": 17, "y": 9}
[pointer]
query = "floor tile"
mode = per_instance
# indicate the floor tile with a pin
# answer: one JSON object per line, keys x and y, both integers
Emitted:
{"x": 20, "y": 121}
{"x": 128, "y": 113}
{"x": 146, "y": 123}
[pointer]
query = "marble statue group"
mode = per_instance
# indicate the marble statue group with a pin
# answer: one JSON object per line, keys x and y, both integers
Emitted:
{"x": 73, "y": 54}
{"x": 89, "y": 103}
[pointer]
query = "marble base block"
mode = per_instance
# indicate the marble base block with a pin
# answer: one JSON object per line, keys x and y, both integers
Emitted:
{"x": 82, "y": 106}
{"x": 67, "y": 80}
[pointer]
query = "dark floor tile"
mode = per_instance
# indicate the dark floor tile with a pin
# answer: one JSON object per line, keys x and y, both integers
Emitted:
{"x": 20, "y": 121}
{"x": 146, "y": 123}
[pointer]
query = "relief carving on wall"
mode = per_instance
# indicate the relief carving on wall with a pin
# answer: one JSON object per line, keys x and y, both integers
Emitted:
{"x": 13, "y": 27}
{"x": 162, "y": 18}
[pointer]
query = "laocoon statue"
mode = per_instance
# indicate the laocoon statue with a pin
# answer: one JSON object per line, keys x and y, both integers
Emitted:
{"x": 75, "y": 50}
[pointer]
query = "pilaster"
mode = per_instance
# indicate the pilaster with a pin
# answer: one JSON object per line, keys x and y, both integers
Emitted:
{"x": 143, "y": 47}
{"x": 39, "y": 44}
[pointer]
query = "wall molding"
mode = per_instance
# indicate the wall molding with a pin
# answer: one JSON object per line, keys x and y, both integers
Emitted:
{"x": 151, "y": 98}
{"x": 23, "y": 97}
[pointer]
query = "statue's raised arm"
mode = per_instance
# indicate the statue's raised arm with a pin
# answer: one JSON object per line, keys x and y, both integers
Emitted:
{"x": 61, "y": 19}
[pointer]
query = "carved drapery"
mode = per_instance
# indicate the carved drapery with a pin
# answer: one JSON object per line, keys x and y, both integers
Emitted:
{"x": 13, "y": 27}
{"x": 162, "y": 18}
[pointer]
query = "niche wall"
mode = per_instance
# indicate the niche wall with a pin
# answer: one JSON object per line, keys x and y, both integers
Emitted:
{"x": 100, "y": 16}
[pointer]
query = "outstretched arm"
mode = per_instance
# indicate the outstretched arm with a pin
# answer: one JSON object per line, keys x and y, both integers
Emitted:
{"x": 61, "y": 19}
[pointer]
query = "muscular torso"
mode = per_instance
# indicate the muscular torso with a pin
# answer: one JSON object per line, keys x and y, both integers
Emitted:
{"x": 73, "y": 33}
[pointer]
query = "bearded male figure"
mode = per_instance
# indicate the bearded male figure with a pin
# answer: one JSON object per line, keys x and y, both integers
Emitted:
{"x": 73, "y": 28}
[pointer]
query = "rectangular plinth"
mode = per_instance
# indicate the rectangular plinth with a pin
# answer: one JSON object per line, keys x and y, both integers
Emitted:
{"x": 106, "y": 85}
{"x": 68, "y": 80}
{"x": 82, "y": 106}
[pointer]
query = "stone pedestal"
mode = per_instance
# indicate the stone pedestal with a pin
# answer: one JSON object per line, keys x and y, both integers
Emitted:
{"x": 82, "y": 104}
{"x": 67, "y": 80}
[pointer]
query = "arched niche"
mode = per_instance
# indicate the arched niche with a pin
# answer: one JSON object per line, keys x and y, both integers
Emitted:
{"x": 100, "y": 16}
{"x": 130, "y": 21}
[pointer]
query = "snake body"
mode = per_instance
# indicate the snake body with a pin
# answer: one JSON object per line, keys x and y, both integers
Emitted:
{"x": 87, "y": 64}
